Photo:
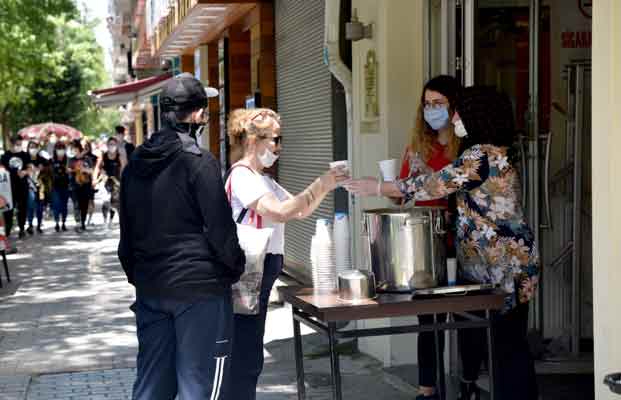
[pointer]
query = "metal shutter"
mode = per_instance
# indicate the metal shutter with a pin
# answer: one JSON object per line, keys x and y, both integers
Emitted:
{"x": 304, "y": 96}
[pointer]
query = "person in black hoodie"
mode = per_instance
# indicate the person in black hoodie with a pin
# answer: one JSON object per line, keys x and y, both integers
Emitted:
{"x": 179, "y": 248}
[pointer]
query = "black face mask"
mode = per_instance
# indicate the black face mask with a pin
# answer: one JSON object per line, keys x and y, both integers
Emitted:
{"x": 191, "y": 128}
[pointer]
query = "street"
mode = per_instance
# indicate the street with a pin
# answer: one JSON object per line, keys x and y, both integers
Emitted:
{"x": 66, "y": 331}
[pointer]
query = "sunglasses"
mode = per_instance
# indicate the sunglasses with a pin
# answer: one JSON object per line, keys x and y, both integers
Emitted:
{"x": 265, "y": 114}
{"x": 275, "y": 139}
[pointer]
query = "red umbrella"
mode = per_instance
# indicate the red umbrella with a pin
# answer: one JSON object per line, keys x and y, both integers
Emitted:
{"x": 40, "y": 131}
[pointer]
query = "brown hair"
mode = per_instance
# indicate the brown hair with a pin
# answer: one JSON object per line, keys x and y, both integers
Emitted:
{"x": 423, "y": 136}
{"x": 248, "y": 124}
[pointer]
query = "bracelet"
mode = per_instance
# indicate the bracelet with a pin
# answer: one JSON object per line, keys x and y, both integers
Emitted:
{"x": 312, "y": 196}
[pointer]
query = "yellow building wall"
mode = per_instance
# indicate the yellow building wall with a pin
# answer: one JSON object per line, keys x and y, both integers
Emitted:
{"x": 398, "y": 43}
{"x": 607, "y": 191}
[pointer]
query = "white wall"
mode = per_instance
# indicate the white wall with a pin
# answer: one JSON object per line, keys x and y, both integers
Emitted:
{"x": 398, "y": 41}
{"x": 606, "y": 191}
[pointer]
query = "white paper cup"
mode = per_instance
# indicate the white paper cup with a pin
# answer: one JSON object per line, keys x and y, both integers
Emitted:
{"x": 388, "y": 169}
{"x": 343, "y": 164}
{"x": 451, "y": 271}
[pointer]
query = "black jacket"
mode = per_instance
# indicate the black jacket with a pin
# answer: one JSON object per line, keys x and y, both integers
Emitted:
{"x": 178, "y": 238}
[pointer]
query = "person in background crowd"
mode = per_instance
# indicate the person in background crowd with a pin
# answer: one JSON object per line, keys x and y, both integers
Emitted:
{"x": 179, "y": 248}
{"x": 90, "y": 156}
{"x": 433, "y": 146}
{"x": 495, "y": 243}
{"x": 46, "y": 183}
{"x": 61, "y": 181}
{"x": 51, "y": 140}
{"x": 35, "y": 202}
{"x": 109, "y": 167}
{"x": 15, "y": 161}
{"x": 125, "y": 148}
{"x": 81, "y": 168}
{"x": 255, "y": 135}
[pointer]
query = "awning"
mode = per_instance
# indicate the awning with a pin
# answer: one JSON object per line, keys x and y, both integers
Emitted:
{"x": 123, "y": 94}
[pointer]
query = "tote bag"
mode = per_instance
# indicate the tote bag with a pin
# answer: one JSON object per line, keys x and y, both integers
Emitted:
{"x": 254, "y": 241}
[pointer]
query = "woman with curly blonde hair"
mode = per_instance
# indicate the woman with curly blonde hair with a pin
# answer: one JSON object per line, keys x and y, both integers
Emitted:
{"x": 258, "y": 200}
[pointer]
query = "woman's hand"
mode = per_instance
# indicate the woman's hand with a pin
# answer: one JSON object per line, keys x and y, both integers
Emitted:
{"x": 364, "y": 187}
{"x": 419, "y": 167}
{"x": 331, "y": 179}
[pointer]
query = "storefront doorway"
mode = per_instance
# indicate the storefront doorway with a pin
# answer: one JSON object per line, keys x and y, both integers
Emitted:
{"x": 539, "y": 53}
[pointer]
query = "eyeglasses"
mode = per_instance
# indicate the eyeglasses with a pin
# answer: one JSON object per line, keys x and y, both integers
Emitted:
{"x": 274, "y": 139}
{"x": 435, "y": 104}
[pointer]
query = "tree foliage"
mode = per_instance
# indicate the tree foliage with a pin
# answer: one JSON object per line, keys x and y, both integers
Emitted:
{"x": 49, "y": 60}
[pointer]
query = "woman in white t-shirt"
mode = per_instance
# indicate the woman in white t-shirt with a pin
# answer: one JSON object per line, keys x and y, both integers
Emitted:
{"x": 255, "y": 137}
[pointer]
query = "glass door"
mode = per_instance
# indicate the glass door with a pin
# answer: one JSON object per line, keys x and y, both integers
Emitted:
{"x": 538, "y": 53}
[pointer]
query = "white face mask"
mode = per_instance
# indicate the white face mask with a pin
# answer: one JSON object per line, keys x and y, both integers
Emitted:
{"x": 267, "y": 159}
{"x": 460, "y": 129}
{"x": 17, "y": 149}
{"x": 53, "y": 140}
{"x": 112, "y": 149}
{"x": 33, "y": 152}
{"x": 60, "y": 153}
{"x": 70, "y": 153}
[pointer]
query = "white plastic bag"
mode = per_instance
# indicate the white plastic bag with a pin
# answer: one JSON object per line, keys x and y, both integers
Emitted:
{"x": 5, "y": 189}
{"x": 246, "y": 292}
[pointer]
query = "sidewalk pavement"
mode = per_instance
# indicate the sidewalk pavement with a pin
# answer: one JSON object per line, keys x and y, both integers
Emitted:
{"x": 66, "y": 331}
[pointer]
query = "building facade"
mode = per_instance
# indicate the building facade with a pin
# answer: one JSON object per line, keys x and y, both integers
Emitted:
{"x": 558, "y": 61}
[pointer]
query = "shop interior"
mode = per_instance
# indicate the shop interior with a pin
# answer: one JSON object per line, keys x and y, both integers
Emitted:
{"x": 539, "y": 53}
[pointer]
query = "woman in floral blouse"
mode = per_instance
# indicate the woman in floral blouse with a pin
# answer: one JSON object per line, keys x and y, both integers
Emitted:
{"x": 494, "y": 241}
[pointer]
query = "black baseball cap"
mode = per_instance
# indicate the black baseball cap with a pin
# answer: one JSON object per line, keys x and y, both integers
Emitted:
{"x": 185, "y": 92}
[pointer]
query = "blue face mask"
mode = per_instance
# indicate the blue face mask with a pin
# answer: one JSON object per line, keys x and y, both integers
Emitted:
{"x": 437, "y": 118}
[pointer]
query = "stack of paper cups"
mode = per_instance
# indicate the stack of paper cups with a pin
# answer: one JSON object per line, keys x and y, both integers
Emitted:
{"x": 322, "y": 258}
{"x": 342, "y": 242}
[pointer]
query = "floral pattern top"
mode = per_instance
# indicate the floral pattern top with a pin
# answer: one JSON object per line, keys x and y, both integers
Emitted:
{"x": 494, "y": 242}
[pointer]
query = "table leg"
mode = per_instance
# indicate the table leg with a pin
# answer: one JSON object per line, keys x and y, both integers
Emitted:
{"x": 491, "y": 346}
{"x": 334, "y": 359}
{"x": 440, "y": 382}
{"x": 6, "y": 266}
{"x": 299, "y": 359}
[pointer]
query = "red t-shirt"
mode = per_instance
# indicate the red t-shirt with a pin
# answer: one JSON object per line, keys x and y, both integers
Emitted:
{"x": 436, "y": 162}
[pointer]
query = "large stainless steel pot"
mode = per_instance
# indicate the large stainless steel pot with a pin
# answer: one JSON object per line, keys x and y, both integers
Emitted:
{"x": 407, "y": 247}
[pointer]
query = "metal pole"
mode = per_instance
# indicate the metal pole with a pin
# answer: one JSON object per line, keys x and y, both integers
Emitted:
{"x": 576, "y": 274}
{"x": 299, "y": 358}
{"x": 468, "y": 11}
{"x": 6, "y": 266}
{"x": 334, "y": 362}
{"x": 491, "y": 347}
{"x": 534, "y": 175}
{"x": 440, "y": 384}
